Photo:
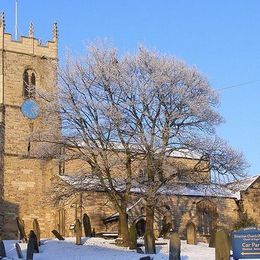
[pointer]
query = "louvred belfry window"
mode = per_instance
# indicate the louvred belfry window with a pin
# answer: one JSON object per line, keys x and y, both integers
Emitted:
{"x": 29, "y": 84}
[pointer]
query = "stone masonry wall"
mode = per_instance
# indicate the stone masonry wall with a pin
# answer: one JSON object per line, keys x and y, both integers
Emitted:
{"x": 251, "y": 201}
{"x": 26, "y": 180}
{"x": 95, "y": 204}
{"x": 27, "y": 183}
{"x": 183, "y": 210}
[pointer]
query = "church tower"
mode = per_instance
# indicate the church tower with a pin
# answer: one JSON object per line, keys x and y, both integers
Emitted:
{"x": 25, "y": 71}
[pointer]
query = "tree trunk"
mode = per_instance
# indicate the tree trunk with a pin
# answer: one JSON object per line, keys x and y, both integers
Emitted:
{"x": 124, "y": 232}
{"x": 119, "y": 228}
{"x": 149, "y": 239}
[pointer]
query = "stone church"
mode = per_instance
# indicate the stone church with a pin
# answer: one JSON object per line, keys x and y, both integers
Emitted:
{"x": 25, "y": 180}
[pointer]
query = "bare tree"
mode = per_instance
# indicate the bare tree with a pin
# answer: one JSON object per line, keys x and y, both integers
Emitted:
{"x": 169, "y": 107}
{"x": 118, "y": 113}
{"x": 92, "y": 125}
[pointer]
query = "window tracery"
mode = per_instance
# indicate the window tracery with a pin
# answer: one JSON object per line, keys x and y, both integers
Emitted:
{"x": 29, "y": 84}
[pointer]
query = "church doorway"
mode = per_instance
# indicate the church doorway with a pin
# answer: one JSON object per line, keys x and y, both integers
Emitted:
{"x": 140, "y": 227}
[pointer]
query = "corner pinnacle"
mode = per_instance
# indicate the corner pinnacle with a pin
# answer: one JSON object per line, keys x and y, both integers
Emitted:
{"x": 31, "y": 30}
{"x": 2, "y": 20}
{"x": 55, "y": 31}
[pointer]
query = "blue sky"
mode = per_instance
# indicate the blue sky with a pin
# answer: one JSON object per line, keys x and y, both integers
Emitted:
{"x": 221, "y": 38}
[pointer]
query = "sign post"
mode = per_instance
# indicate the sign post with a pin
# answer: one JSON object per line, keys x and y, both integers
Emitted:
{"x": 246, "y": 243}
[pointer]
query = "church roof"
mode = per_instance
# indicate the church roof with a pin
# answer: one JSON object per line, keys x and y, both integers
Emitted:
{"x": 231, "y": 190}
{"x": 242, "y": 185}
{"x": 198, "y": 190}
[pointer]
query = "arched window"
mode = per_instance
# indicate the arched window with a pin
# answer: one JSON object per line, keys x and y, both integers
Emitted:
{"x": 207, "y": 212}
{"x": 166, "y": 221}
{"x": 140, "y": 227}
{"x": 29, "y": 83}
{"x": 205, "y": 223}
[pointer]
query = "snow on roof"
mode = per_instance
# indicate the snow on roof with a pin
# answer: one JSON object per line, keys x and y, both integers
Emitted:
{"x": 178, "y": 152}
{"x": 230, "y": 190}
{"x": 199, "y": 190}
{"x": 184, "y": 153}
{"x": 242, "y": 185}
{"x": 80, "y": 181}
{"x": 176, "y": 188}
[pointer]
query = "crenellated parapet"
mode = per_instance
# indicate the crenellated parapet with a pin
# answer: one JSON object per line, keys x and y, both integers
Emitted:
{"x": 29, "y": 44}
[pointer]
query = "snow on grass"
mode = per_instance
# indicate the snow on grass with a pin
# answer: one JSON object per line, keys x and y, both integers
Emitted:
{"x": 105, "y": 249}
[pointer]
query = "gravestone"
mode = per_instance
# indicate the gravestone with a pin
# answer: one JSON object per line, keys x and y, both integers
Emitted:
{"x": 33, "y": 239}
{"x": 30, "y": 251}
{"x": 175, "y": 247}
{"x": 32, "y": 246}
{"x": 20, "y": 225}
{"x": 132, "y": 237}
{"x": 57, "y": 235}
{"x": 87, "y": 225}
{"x": 222, "y": 245}
{"x": 18, "y": 251}
{"x": 246, "y": 243}
{"x": 93, "y": 234}
{"x": 146, "y": 258}
{"x": 2, "y": 249}
{"x": 37, "y": 231}
{"x": 191, "y": 234}
{"x": 139, "y": 250}
{"x": 78, "y": 231}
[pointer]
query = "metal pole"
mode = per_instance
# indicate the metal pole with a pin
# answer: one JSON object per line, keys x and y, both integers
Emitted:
{"x": 16, "y": 20}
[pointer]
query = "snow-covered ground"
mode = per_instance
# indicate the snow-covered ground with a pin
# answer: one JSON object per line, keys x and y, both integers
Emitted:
{"x": 103, "y": 249}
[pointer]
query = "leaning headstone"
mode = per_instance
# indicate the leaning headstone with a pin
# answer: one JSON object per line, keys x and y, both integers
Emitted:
{"x": 222, "y": 246}
{"x": 146, "y": 258}
{"x": 2, "y": 249}
{"x": 37, "y": 231}
{"x": 132, "y": 237}
{"x": 87, "y": 225}
{"x": 191, "y": 234}
{"x": 18, "y": 251}
{"x": 57, "y": 235}
{"x": 20, "y": 225}
{"x": 175, "y": 247}
{"x": 78, "y": 231}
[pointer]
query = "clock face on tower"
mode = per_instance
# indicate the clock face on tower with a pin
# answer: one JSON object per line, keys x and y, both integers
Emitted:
{"x": 30, "y": 109}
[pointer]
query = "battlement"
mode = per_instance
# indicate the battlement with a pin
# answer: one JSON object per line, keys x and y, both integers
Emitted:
{"x": 29, "y": 44}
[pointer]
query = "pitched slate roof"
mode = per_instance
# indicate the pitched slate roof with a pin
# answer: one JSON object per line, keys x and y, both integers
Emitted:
{"x": 242, "y": 185}
{"x": 230, "y": 190}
